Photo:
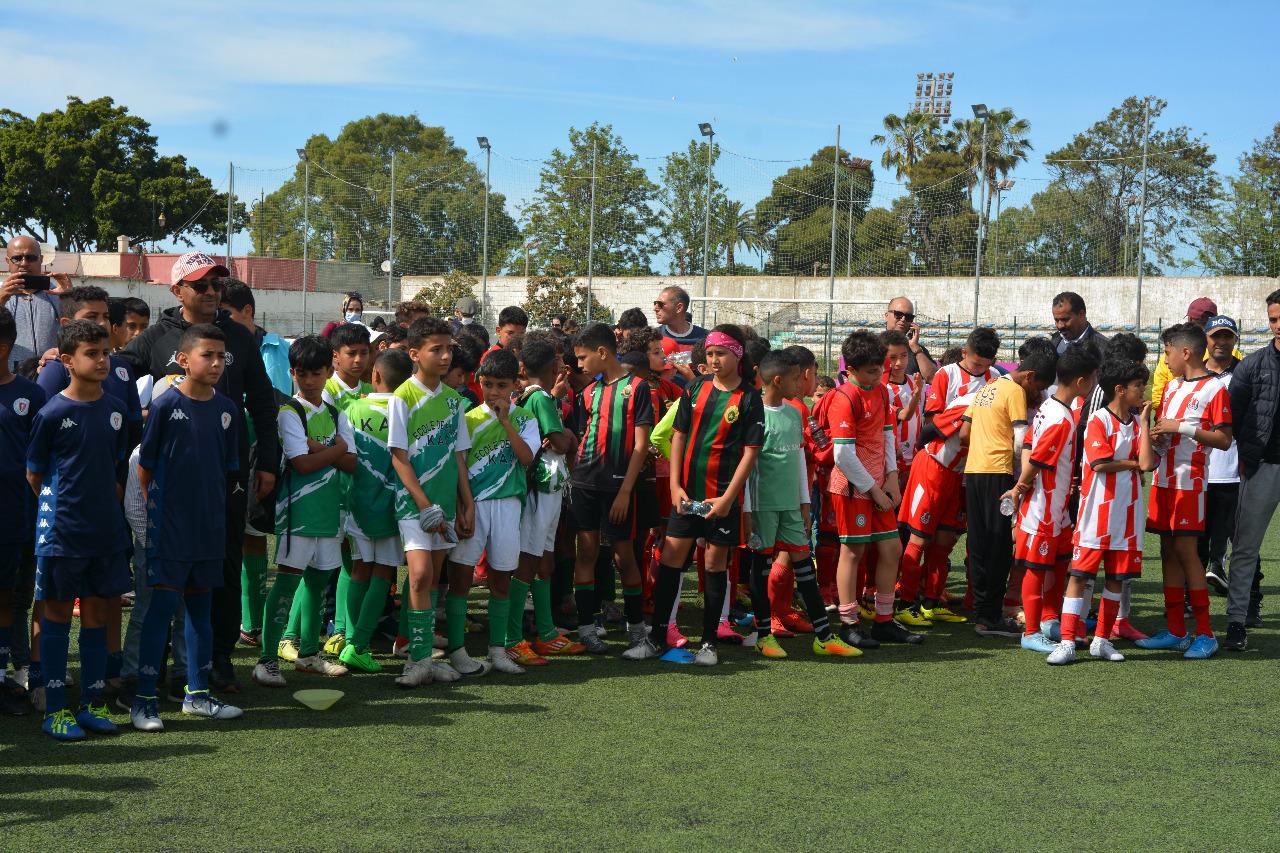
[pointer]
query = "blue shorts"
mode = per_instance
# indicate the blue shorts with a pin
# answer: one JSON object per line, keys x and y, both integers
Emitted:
{"x": 183, "y": 574}
{"x": 10, "y": 564}
{"x": 69, "y": 578}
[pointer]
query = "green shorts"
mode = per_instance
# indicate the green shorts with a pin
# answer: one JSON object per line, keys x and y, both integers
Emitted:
{"x": 780, "y": 529}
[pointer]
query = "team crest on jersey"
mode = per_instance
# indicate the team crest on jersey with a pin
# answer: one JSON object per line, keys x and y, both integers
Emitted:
{"x": 862, "y": 520}
{"x": 21, "y": 406}
{"x": 1044, "y": 549}
{"x": 731, "y": 414}
{"x": 122, "y": 373}
{"x": 926, "y": 517}
{"x": 229, "y": 358}
{"x": 626, "y": 392}
{"x": 1075, "y": 553}
{"x": 226, "y": 420}
{"x": 117, "y": 421}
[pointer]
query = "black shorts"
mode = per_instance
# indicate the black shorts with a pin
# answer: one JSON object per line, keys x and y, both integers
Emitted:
{"x": 714, "y": 531}
{"x": 10, "y": 564}
{"x": 589, "y": 512}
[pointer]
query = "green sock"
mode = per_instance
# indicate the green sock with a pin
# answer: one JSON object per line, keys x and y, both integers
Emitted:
{"x": 499, "y": 608}
{"x": 370, "y": 612}
{"x": 253, "y": 590}
{"x": 517, "y": 594}
{"x": 276, "y": 613}
{"x": 356, "y": 593}
{"x": 294, "y": 630}
{"x": 313, "y": 583}
{"x": 421, "y": 631}
{"x": 455, "y": 611}
{"x": 340, "y": 609}
{"x": 542, "y": 609}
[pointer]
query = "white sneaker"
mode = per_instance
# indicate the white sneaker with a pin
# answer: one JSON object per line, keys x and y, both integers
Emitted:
{"x": 502, "y": 662}
{"x": 1063, "y": 653}
{"x": 439, "y": 642}
{"x": 1102, "y": 649}
{"x": 416, "y": 673}
{"x": 21, "y": 676}
{"x": 466, "y": 665}
{"x": 706, "y": 656}
{"x": 203, "y": 705}
{"x": 268, "y": 675}
{"x": 643, "y": 650}
{"x": 320, "y": 666}
{"x": 442, "y": 672}
{"x": 145, "y": 716}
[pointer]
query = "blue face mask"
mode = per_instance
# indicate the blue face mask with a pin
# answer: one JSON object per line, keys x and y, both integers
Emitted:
{"x": 353, "y": 316}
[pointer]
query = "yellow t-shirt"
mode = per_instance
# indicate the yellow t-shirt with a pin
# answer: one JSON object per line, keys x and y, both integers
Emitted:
{"x": 995, "y": 409}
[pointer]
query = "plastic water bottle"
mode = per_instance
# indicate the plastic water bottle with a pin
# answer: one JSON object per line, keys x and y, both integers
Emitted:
{"x": 1006, "y": 506}
{"x": 820, "y": 438}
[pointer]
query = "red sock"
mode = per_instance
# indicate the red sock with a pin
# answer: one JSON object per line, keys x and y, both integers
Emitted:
{"x": 1055, "y": 584}
{"x": 1200, "y": 608}
{"x": 1032, "y": 582}
{"x": 1174, "y": 616}
{"x": 782, "y": 584}
{"x": 938, "y": 563}
{"x": 884, "y": 606}
{"x": 1107, "y": 614}
{"x": 825, "y": 566}
{"x": 911, "y": 558}
{"x": 1072, "y": 624}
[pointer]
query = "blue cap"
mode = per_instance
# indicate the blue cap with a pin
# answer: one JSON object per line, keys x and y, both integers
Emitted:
{"x": 1221, "y": 321}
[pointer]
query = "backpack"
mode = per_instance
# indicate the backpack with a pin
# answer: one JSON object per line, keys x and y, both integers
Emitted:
{"x": 822, "y": 417}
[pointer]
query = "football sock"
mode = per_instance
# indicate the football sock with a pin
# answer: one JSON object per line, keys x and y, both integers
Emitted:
{"x": 1072, "y": 624}
{"x": 340, "y": 596}
{"x": 356, "y": 592}
{"x": 115, "y": 663}
{"x": 633, "y": 603}
{"x": 253, "y": 590}
{"x": 760, "y": 581}
{"x": 1174, "y": 615}
{"x": 542, "y": 617}
{"x": 1051, "y": 593}
{"x": 294, "y": 629}
{"x": 55, "y": 637}
{"x": 807, "y": 583}
{"x": 199, "y": 628}
{"x": 402, "y": 626}
{"x": 154, "y": 635}
{"x": 1107, "y": 613}
{"x": 912, "y": 557}
{"x": 1200, "y": 608}
{"x": 1032, "y": 596}
{"x": 93, "y": 664}
{"x": 275, "y": 613}
{"x": 584, "y": 595}
{"x": 780, "y": 584}
{"x": 717, "y": 584}
{"x": 666, "y": 591}
{"x": 884, "y": 606}
{"x": 517, "y": 594}
{"x": 422, "y": 627}
{"x": 370, "y": 612}
{"x": 937, "y": 560}
{"x": 499, "y": 610}
{"x": 606, "y": 585}
{"x": 455, "y": 611}
{"x": 314, "y": 582}
{"x": 849, "y": 613}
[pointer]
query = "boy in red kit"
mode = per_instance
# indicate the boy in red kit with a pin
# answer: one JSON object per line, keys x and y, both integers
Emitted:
{"x": 904, "y": 399}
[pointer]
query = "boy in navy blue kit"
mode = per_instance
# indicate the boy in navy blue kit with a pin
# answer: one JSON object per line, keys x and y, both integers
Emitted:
{"x": 20, "y": 399}
{"x": 189, "y": 447}
{"x": 75, "y": 467}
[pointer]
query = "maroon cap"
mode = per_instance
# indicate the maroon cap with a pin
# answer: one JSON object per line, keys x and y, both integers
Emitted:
{"x": 1201, "y": 307}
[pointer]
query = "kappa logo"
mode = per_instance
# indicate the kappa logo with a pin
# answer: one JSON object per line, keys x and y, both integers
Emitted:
{"x": 68, "y": 423}
{"x": 1096, "y": 444}
{"x": 21, "y": 406}
{"x": 1182, "y": 522}
{"x": 46, "y": 492}
{"x": 117, "y": 421}
{"x": 178, "y": 415}
{"x": 44, "y": 507}
{"x": 226, "y": 420}
{"x": 122, "y": 373}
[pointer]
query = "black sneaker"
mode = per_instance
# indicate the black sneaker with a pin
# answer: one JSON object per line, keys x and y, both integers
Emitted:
{"x": 223, "y": 677}
{"x": 894, "y": 632}
{"x": 851, "y": 635}
{"x": 997, "y": 628}
{"x": 1237, "y": 639}
{"x": 1217, "y": 578}
{"x": 126, "y": 695}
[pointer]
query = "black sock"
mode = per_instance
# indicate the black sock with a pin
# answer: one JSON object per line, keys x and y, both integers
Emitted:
{"x": 807, "y": 583}
{"x": 758, "y": 581}
{"x": 606, "y": 586}
{"x": 716, "y": 585}
{"x": 584, "y": 594}
{"x": 665, "y": 590}
{"x": 633, "y": 605}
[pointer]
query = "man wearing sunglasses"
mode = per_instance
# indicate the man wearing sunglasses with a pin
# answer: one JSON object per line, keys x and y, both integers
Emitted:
{"x": 35, "y": 309}
{"x": 679, "y": 333}
{"x": 901, "y": 317}
{"x": 197, "y": 282}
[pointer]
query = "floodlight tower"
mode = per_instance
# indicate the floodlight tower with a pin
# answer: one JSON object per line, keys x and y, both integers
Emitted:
{"x": 933, "y": 94}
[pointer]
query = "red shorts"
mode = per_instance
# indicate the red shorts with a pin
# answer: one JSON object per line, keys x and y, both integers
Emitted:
{"x": 1040, "y": 552}
{"x": 1174, "y": 512}
{"x": 933, "y": 498}
{"x": 858, "y": 520}
{"x": 1119, "y": 565}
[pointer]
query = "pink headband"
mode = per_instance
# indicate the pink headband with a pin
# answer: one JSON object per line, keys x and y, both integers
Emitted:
{"x": 720, "y": 339}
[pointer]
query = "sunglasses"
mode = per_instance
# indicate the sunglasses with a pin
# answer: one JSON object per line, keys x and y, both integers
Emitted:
{"x": 17, "y": 259}
{"x": 203, "y": 285}
{"x": 903, "y": 315}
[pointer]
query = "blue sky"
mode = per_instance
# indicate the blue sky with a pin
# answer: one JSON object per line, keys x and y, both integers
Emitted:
{"x": 774, "y": 77}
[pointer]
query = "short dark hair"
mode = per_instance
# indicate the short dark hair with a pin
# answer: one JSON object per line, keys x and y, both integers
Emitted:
{"x": 951, "y": 355}
{"x": 427, "y": 327}
{"x": 1071, "y": 299}
{"x": 394, "y": 334}
{"x": 395, "y": 366}
{"x": 825, "y": 381}
{"x": 1126, "y": 345}
{"x": 681, "y": 295}
{"x": 474, "y": 332}
{"x": 79, "y": 332}
{"x": 310, "y": 352}
{"x": 192, "y": 335}
{"x": 893, "y": 338}
{"x": 1119, "y": 371}
{"x": 8, "y": 328}
{"x": 77, "y": 297}
{"x": 633, "y": 318}
{"x": 1273, "y": 298}
{"x": 983, "y": 342}
{"x": 115, "y": 310}
{"x": 538, "y": 356}
{"x": 1075, "y": 363}
{"x": 1043, "y": 365}
{"x": 462, "y": 358}
{"x": 776, "y": 363}
{"x": 860, "y": 349}
{"x": 756, "y": 348}
{"x": 134, "y": 305}
{"x": 803, "y": 356}
{"x": 349, "y": 335}
{"x": 595, "y": 336}
{"x": 512, "y": 315}
{"x": 237, "y": 294}
{"x": 698, "y": 355}
{"x": 500, "y": 364}
{"x": 1187, "y": 335}
{"x": 639, "y": 339}
{"x": 1036, "y": 343}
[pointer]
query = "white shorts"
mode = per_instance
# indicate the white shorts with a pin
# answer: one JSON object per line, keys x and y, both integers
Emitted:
{"x": 383, "y": 552}
{"x": 497, "y": 535}
{"x": 538, "y": 523}
{"x": 414, "y": 538}
{"x": 309, "y": 552}
{"x": 250, "y": 530}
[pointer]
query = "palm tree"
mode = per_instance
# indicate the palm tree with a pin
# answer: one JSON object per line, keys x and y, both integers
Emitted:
{"x": 1007, "y": 145}
{"x": 736, "y": 227}
{"x": 906, "y": 139}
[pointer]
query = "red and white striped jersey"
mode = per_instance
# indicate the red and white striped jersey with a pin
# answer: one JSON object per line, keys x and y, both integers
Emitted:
{"x": 949, "y": 452}
{"x": 1204, "y": 403}
{"x": 1052, "y": 441}
{"x": 905, "y": 432}
{"x": 1112, "y": 514}
{"x": 950, "y": 383}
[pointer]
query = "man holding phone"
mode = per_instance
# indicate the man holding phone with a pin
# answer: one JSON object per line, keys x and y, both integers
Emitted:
{"x": 901, "y": 317}
{"x": 32, "y": 298}
{"x": 679, "y": 333}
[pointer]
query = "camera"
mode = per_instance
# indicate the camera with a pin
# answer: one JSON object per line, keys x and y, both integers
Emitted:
{"x": 37, "y": 283}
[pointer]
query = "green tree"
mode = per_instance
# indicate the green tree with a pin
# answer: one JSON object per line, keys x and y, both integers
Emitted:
{"x": 682, "y": 195}
{"x": 439, "y": 201}
{"x": 734, "y": 225}
{"x": 1241, "y": 234}
{"x": 906, "y": 139}
{"x": 556, "y": 292}
{"x": 80, "y": 176}
{"x": 558, "y": 216}
{"x": 442, "y": 295}
{"x": 881, "y": 243}
{"x": 941, "y": 226}
{"x": 1007, "y": 145}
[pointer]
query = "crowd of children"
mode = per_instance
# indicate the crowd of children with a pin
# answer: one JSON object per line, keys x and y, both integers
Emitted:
{"x": 543, "y": 465}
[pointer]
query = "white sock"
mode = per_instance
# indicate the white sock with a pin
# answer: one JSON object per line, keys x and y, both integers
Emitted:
{"x": 728, "y": 596}
{"x": 675, "y": 605}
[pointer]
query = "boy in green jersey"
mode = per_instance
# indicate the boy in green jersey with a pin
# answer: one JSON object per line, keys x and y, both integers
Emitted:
{"x": 371, "y": 518}
{"x": 504, "y": 439}
{"x": 317, "y": 443}
{"x": 428, "y": 438}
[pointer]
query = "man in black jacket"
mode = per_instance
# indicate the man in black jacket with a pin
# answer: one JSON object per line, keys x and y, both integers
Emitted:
{"x": 1255, "y": 398}
{"x": 1071, "y": 318}
{"x": 196, "y": 283}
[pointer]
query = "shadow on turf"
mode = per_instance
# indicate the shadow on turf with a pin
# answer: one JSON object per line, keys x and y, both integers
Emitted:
{"x": 53, "y": 802}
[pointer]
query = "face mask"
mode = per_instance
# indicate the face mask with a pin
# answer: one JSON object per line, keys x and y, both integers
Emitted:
{"x": 466, "y": 321}
{"x": 353, "y": 316}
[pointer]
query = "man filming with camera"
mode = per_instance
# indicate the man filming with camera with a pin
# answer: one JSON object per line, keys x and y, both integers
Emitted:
{"x": 32, "y": 298}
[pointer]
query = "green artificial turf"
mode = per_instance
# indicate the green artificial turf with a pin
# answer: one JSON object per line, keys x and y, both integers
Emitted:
{"x": 963, "y": 743}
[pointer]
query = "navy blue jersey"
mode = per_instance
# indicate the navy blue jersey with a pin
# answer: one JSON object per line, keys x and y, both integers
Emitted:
{"x": 119, "y": 383}
{"x": 20, "y": 399}
{"x": 77, "y": 447}
{"x": 189, "y": 446}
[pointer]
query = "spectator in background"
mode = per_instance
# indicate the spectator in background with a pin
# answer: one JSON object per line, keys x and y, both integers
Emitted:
{"x": 632, "y": 318}
{"x": 129, "y": 316}
{"x": 1223, "y": 468}
{"x": 352, "y": 312}
{"x": 464, "y": 313}
{"x": 569, "y": 326}
{"x": 1200, "y": 312}
{"x": 557, "y": 323}
{"x": 512, "y": 322}
{"x": 378, "y": 325}
{"x": 35, "y": 311}
{"x": 900, "y": 316}
{"x": 1072, "y": 319}
{"x": 679, "y": 334}
{"x": 238, "y": 301}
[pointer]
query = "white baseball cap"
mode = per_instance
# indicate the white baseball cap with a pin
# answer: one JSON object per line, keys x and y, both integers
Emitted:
{"x": 193, "y": 266}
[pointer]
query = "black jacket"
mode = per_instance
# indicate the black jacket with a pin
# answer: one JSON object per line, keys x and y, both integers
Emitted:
{"x": 1090, "y": 334}
{"x": 1255, "y": 397}
{"x": 154, "y": 353}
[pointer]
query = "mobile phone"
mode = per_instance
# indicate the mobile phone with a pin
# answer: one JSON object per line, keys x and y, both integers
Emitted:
{"x": 37, "y": 283}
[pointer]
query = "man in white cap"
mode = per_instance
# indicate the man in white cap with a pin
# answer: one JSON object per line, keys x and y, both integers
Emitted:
{"x": 197, "y": 282}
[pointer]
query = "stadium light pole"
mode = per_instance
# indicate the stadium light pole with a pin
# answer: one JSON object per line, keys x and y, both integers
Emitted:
{"x": 1142, "y": 211}
{"x": 708, "y": 131}
{"x": 1001, "y": 188}
{"x": 591, "y": 230}
{"x": 391, "y": 231}
{"x": 484, "y": 263}
{"x": 306, "y": 231}
{"x": 831, "y": 261}
{"x": 980, "y": 111}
